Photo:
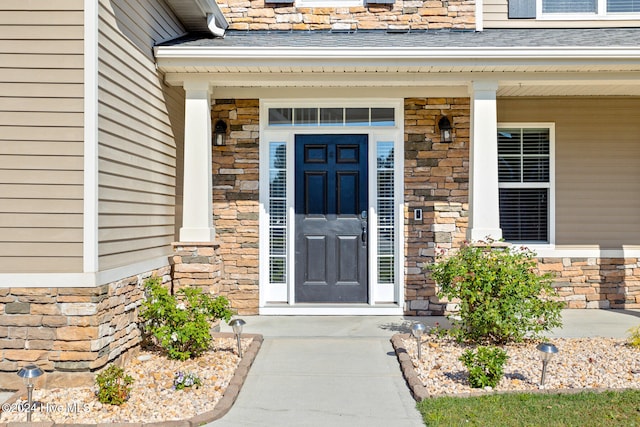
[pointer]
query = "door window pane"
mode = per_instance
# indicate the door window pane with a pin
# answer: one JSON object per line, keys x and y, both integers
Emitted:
{"x": 357, "y": 117}
{"x": 382, "y": 117}
{"x": 280, "y": 116}
{"x": 331, "y": 116}
{"x": 305, "y": 117}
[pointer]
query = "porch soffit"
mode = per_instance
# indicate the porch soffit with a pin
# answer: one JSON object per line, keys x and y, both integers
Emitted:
{"x": 525, "y": 62}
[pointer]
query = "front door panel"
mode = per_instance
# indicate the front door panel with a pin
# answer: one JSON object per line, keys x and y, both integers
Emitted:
{"x": 331, "y": 232}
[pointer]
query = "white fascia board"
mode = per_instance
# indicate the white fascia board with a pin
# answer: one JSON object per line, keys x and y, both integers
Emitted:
{"x": 185, "y": 53}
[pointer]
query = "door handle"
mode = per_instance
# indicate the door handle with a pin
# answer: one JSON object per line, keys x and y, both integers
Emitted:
{"x": 364, "y": 233}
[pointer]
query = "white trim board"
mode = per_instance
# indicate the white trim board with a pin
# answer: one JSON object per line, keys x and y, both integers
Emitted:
{"x": 81, "y": 280}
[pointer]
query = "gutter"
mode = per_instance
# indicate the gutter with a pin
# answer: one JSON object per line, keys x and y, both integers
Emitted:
{"x": 427, "y": 53}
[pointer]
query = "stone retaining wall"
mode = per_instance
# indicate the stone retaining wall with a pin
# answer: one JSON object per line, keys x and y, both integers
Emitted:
{"x": 402, "y": 15}
{"x": 71, "y": 331}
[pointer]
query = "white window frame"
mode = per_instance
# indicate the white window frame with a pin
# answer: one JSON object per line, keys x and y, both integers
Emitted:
{"x": 600, "y": 14}
{"x": 550, "y": 185}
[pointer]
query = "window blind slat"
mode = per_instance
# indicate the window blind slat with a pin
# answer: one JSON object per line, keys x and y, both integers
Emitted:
{"x": 569, "y": 6}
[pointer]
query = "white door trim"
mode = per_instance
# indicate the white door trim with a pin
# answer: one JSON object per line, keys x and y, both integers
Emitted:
{"x": 279, "y": 298}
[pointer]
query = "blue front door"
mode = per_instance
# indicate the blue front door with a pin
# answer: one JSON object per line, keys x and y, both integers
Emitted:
{"x": 330, "y": 218}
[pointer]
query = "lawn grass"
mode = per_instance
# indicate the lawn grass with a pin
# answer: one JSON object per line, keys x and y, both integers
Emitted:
{"x": 609, "y": 408}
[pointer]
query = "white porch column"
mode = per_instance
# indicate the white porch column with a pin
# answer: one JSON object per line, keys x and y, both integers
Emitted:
{"x": 484, "y": 211}
{"x": 197, "y": 211}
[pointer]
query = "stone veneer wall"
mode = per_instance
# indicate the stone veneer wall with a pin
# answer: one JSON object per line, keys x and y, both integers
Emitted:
{"x": 197, "y": 265}
{"x": 595, "y": 282}
{"x": 71, "y": 331}
{"x": 402, "y": 15}
{"x": 436, "y": 181}
{"x": 235, "y": 202}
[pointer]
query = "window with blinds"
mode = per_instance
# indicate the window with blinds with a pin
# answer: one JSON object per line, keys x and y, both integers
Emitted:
{"x": 588, "y": 6}
{"x": 569, "y": 6}
{"x": 386, "y": 216}
{"x": 524, "y": 183}
{"x": 277, "y": 212}
{"x": 622, "y": 6}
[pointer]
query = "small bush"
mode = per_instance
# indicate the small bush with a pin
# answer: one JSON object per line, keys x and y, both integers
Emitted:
{"x": 502, "y": 297}
{"x": 485, "y": 366}
{"x": 634, "y": 338}
{"x": 113, "y": 386}
{"x": 181, "y": 325}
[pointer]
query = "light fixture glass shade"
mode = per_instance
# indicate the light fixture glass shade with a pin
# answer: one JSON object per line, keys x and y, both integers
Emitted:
{"x": 445, "y": 129}
{"x": 547, "y": 351}
{"x": 417, "y": 330}
{"x": 236, "y": 325}
{"x": 220, "y": 133}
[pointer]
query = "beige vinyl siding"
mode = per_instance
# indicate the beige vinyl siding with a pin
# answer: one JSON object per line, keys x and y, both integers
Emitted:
{"x": 496, "y": 15}
{"x": 597, "y": 174}
{"x": 41, "y": 136}
{"x": 137, "y": 143}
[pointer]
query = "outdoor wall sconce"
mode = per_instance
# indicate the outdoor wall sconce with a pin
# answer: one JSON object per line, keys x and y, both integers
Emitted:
{"x": 220, "y": 133}
{"x": 236, "y": 325}
{"x": 445, "y": 129}
{"x": 28, "y": 373}
{"x": 547, "y": 351}
{"x": 417, "y": 330}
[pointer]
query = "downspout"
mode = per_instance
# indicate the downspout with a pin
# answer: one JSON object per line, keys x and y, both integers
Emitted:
{"x": 213, "y": 26}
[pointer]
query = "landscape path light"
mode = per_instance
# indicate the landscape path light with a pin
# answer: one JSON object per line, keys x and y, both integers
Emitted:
{"x": 236, "y": 325}
{"x": 417, "y": 330}
{"x": 28, "y": 373}
{"x": 547, "y": 351}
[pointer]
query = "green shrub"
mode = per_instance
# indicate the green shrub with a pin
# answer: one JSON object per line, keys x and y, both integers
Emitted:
{"x": 181, "y": 325}
{"x": 485, "y": 366}
{"x": 113, "y": 386}
{"x": 634, "y": 338}
{"x": 502, "y": 297}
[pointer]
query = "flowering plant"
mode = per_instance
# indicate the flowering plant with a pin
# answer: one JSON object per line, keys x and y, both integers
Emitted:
{"x": 183, "y": 380}
{"x": 180, "y": 324}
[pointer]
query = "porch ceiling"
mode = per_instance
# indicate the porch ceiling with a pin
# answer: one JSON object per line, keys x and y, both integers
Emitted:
{"x": 524, "y": 62}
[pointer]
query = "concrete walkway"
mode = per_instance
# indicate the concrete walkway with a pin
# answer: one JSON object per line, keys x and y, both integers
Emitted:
{"x": 342, "y": 371}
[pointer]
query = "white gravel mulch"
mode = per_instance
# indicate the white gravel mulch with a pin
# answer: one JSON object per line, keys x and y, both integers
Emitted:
{"x": 152, "y": 397}
{"x": 581, "y": 363}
